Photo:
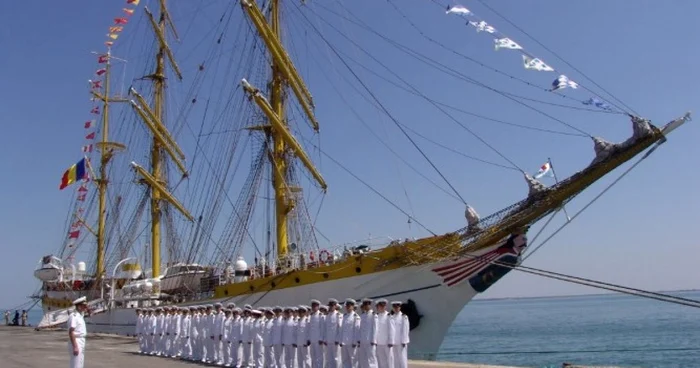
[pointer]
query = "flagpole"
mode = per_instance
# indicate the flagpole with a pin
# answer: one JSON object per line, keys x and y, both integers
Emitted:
{"x": 556, "y": 180}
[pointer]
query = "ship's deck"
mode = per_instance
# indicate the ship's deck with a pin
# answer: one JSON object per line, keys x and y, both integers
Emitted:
{"x": 22, "y": 347}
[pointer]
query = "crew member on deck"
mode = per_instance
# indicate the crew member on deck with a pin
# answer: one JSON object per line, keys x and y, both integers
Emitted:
{"x": 77, "y": 333}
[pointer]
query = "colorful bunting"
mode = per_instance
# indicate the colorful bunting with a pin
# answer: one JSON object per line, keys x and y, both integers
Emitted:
{"x": 79, "y": 171}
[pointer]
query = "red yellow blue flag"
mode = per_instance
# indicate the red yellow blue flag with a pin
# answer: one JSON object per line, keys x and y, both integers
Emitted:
{"x": 73, "y": 174}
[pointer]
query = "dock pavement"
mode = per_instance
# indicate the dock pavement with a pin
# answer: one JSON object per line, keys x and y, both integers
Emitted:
{"x": 24, "y": 347}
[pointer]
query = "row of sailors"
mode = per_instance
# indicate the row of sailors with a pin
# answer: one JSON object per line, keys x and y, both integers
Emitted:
{"x": 291, "y": 337}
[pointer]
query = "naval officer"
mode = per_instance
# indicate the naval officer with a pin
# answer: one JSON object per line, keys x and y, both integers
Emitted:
{"x": 77, "y": 333}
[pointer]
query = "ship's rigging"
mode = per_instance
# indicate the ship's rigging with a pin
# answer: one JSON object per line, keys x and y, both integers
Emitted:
{"x": 224, "y": 201}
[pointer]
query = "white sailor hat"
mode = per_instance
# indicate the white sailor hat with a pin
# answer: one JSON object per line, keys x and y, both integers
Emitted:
{"x": 381, "y": 301}
{"x": 227, "y": 311}
{"x": 209, "y": 306}
{"x": 332, "y": 300}
{"x": 396, "y": 302}
{"x": 231, "y": 305}
{"x": 158, "y": 309}
{"x": 237, "y": 310}
{"x": 247, "y": 306}
{"x": 323, "y": 307}
{"x": 269, "y": 311}
{"x": 349, "y": 301}
{"x": 302, "y": 308}
{"x": 277, "y": 308}
{"x": 366, "y": 300}
{"x": 217, "y": 305}
{"x": 315, "y": 301}
{"x": 256, "y": 312}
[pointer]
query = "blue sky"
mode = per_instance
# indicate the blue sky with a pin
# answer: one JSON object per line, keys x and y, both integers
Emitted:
{"x": 640, "y": 234}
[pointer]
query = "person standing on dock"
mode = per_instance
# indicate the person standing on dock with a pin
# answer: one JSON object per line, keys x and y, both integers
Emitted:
{"x": 367, "y": 351}
{"x": 303, "y": 358}
{"x": 334, "y": 321}
{"x": 185, "y": 333}
{"x": 349, "y": 334}
{"x": 402, "y": 328}
{"x": 269, "y": 359}
{"x": 315, "y": 334}
{"x": 385, "y": 336}
{"x": 77, "y": 333}
{"x": 138, "y": 331}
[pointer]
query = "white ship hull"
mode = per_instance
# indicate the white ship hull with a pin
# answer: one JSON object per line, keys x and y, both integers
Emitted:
{"x": 439, "y": 290}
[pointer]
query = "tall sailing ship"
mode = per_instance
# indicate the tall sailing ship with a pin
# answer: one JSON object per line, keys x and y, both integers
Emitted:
{"x": 259, "y": 102}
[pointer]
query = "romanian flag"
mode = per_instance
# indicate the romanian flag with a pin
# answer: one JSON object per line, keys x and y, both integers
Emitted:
{"x": 73, "y": 174}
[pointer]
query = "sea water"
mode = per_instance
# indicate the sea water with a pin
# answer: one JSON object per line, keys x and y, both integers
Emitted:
{"x": 613, "y": 329}
{"x": 616, "y": 330}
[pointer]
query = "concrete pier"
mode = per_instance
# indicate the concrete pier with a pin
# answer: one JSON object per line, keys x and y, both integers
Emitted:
{"x": 22, "y": 347}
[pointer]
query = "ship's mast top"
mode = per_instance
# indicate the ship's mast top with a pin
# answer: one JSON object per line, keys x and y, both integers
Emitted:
{"x": 283, "y": 142}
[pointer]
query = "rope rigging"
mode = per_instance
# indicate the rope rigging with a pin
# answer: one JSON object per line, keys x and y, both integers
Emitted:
{"x": 396, "y": 122}
{"x": 446, "y": 69}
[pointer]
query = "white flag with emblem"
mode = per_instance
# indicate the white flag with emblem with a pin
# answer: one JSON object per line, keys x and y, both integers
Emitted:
{"x": 482, "y": 27}
{"x": 506, "y": 43}
{"x": 563, "y": 82}
{"x": 459, "y": 9}
{"x": 536, "y": 64}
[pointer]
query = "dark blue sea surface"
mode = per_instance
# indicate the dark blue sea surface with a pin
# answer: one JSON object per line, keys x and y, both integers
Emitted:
{"x": 615, "y": 329}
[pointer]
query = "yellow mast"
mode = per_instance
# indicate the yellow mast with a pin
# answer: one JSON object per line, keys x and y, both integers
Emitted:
{"x": 107, "y": 150}
{"x": 283, "y": 204}
{"x": 158, "y": 78}
{"x": 283, "y": 74}
{"x": 163, "y": 142}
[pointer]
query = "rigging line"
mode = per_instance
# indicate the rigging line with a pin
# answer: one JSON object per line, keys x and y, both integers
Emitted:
{"x": 442, "y": 45}
{"x": 423, "y": 96}
{"x": 382, "y": 106}
{"x": 647, "y": 154}
{"x": 558, "y": 57}
{"x": 352, "y": 109}
{"x": 370, "y": 187}
{"x": 451, "y": 107}
{"x": 455, "y": 73}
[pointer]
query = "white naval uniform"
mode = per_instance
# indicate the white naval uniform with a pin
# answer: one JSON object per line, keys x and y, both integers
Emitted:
{"x": 218, "y": 336}
{"x": 77, "y": 323}
{"x": 160, "y": 333}
{"x": 225, "y": 355}
{"x": 139, "y": 332}
{"x": 267, "y": 343}
{"x": 175, "y": 344}
{"x": 316, "y": 328}
{"x": 367, "y": 352}
{"x": 257, "y": 331}
{"x": 203, "y": 336}
{"x": 289, "y": 341}
{"x": 247, "y": 342}
{"x": 186, "y": 336}
{"x": 385, "y": 340}
{"x": 348, "y": 336}
{"x": 277, "y": 347}
{"x": 333, "y": 323}
{"x": 401, "y": 332}
{"x": 236, "y": 336}
{"x": 195, "y": 335}
{"x": 303, "y": 357}
{"x": 211, "y": 333}
{"x": 151, "y": 334}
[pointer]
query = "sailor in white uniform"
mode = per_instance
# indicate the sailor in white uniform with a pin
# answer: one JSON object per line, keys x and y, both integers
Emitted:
{"x": 349, "y": 334}
{"x": 385, "y": 336}
{"x": 236, "y": 336}
{"x": 303, "y": 357}
{"x": 247, "y": 337}
{"x": 77, "y": 333}
{"x": 401, "y": 339}
{"x": 139, "y": 330}
{"x": 267, "y": 339}
{"x": 225, "y": 355}
{"x": 151, "y": 332}
{"x": 289, "y": 342}
{"x": 367, "y": 351}
{"x": 186, "y": 333}
{"x": 276, "y": 338}
{"x": 257, "y": 331}
{"x": 195, "y": 333}
{"x": 333, "y": 323}
{"x": 315, "y": 334}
